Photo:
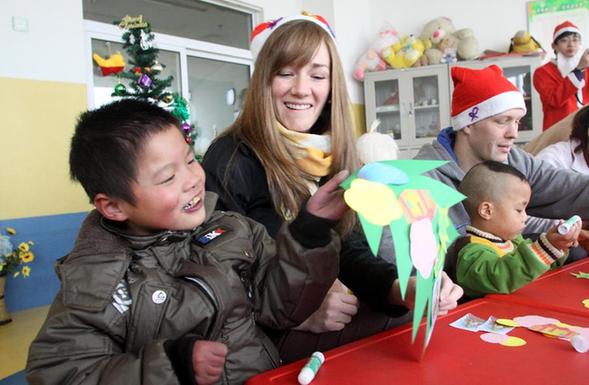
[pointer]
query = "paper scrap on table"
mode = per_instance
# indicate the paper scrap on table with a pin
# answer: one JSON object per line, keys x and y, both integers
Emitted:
{"x": 580, "y": 274}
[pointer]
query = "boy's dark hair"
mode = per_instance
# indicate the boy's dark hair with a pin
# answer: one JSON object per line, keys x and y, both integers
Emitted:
{"x": 567, "y": 34}
{"x": 481, "y": 183}
{"x": 107, "y": 142}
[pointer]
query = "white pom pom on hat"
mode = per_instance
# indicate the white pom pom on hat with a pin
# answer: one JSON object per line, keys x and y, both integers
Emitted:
{"x": 263, "y": 30}
{"x": 481, "y": 93}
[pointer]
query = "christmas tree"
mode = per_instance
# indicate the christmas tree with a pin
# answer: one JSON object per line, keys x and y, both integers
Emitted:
{"x": 144, "y": 82}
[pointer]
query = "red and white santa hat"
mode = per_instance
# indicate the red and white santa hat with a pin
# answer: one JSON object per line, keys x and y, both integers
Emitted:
{"x": 263, "y": 30}
{"x": 481, "y": 93}
{"x": 564, "y": 27}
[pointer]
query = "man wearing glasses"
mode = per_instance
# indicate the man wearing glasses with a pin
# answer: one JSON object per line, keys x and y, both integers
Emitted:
{"x": 562, "y": 82}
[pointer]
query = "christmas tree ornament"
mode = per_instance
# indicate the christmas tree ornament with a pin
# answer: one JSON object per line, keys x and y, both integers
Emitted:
{"x": 157, "y": 67}
{"x": 111, "y": 65}
{"x": 137, "y": 70}
{"x": 120, "y": 89}
{"x": 167, "y": 98}
{"x": 145, "y": 81}
{"x": 144, "y": 42}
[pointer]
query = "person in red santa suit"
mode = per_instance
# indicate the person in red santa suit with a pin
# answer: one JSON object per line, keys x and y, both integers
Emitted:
{"x": 562, "y": 81}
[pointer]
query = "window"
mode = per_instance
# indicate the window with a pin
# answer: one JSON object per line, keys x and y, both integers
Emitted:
{"x": 204, "y": 46}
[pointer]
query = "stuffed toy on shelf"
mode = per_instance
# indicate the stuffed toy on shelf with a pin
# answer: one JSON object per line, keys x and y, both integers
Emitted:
{"x": 380, "y": 50}
{"x": 441, "y": 32}
{"x": 523, "y": 42}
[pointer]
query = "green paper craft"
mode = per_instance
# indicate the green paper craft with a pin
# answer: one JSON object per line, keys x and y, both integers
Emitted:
{"x": 373, "y": 234}
{"x": 402, "y": 253}
{"x": 580, "y": 274}
{"x": 444, "y": 232}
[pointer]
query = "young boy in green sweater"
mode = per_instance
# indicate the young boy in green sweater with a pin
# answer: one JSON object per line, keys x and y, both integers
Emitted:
{"x": 494, "y": 257}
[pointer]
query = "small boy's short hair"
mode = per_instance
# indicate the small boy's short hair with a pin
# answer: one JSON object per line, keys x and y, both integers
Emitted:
{"x": 483, "y": 182}
{"x": 107, "y": 142}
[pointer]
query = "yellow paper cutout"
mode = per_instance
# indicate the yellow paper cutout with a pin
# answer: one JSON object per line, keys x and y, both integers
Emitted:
{"x": 375, "y": 201}
{"x": 507, "y": 322}
{"x": 513, "y": 342}
{"x": 586, "y": 302}
{"x": 417, "y": 204}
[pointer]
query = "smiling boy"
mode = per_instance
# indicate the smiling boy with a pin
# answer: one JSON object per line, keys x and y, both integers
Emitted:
{"x": 160, "y": 288}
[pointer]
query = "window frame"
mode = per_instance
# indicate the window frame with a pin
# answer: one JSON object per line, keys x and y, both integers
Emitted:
{"x": 185, "y": 47}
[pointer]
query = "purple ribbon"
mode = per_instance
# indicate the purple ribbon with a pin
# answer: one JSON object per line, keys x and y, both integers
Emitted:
{"x": 473, "y": 114}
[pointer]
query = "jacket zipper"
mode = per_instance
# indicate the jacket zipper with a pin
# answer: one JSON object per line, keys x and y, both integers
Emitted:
{"x": 208, "y": 292}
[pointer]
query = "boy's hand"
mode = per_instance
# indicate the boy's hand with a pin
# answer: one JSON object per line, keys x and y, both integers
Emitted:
{"x": 564, "y": 241}
{"x": 450, "y": 293}
{"x": 208, "y": 359}
{"x": 336, "y": 311}
{"x": 328, "y": 201}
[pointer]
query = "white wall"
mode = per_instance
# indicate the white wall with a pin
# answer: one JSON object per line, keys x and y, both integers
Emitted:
{"x": 494, "y": 23}
{"x": 53, "y": 47}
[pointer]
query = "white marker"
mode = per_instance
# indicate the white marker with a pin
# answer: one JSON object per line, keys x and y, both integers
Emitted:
{"x": 309, "y": 371}
{"x": 566, "y": 226}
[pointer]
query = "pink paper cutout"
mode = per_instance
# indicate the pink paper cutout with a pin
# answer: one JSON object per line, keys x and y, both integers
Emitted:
{"x": 424, "y": 248}
{"x": 494, "y": 338}
{"x": 531, "y": 320}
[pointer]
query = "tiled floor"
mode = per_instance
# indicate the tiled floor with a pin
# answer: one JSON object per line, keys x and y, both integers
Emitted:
{"x": 15, "y": 338}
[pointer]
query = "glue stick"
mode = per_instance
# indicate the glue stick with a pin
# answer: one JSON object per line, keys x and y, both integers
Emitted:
{"x": 566, "y": 226}
{"x": 309, "y": 371}
{"x": 580, "y": 344}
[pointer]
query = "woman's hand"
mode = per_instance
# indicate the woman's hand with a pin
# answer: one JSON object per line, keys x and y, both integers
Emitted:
{"x": 328, "y": 201}
{"x": 336, "y": 311}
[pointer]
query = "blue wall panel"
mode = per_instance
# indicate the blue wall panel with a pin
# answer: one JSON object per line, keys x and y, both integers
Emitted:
{"x": 54, "y": 237}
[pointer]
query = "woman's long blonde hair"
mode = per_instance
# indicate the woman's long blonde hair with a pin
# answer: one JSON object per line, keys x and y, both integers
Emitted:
{"x": 294, "y": 44}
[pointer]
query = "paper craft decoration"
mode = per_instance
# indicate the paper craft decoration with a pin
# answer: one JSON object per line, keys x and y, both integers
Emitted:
{"x": 394, "y": 193}
{"x": 580, "y": 274}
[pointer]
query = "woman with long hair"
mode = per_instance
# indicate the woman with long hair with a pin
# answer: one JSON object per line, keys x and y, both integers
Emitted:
{"x": 295, "y": 131}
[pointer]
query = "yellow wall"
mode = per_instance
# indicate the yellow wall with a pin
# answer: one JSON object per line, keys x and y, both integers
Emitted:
{"x": 38, "y": 119}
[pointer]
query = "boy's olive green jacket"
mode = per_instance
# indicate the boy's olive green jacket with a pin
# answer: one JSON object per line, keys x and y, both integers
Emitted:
{"x": 123, "y": 298}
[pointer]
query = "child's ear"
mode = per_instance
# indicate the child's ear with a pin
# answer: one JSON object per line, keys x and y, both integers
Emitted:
{"x": 485, "y": 210}
{"x": 110, "y": 208}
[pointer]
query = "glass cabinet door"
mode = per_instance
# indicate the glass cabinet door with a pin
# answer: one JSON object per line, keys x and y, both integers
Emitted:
{"x": 388, "y": 107}
{"x": 426, "y": 106}
{"x": 521, "y": 77}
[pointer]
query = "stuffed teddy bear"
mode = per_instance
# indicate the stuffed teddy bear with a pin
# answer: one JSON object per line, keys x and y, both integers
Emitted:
{"x": 408, "y": 52}
{"x": 381, "y": 49}
{"x": 441, "y": 32}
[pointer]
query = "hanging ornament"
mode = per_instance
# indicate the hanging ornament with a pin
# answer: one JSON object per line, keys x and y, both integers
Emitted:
{"x": 143, "y": 41}
{"x": 157, "y": 67}
{"x": 167, "y": 98}
{"x": 120, "y": 89}
{"x": 131, "y": 38}
{"x": 137, "y": 70}
{"x": 145, "y": 81}
{"x": 111, "y": 65}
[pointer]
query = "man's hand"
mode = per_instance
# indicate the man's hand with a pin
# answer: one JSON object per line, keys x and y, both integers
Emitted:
{"x": 328, "y": 201}
{"x": 208, "y": 359}
{"x": 336, "y": 311}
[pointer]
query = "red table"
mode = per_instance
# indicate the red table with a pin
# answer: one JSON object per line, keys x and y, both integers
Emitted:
{"x": 557, "y": 290}
{"x": 453, "y": 356}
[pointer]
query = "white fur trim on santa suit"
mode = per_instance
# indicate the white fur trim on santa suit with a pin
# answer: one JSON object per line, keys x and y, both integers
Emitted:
{"x": 492, "y": 106}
